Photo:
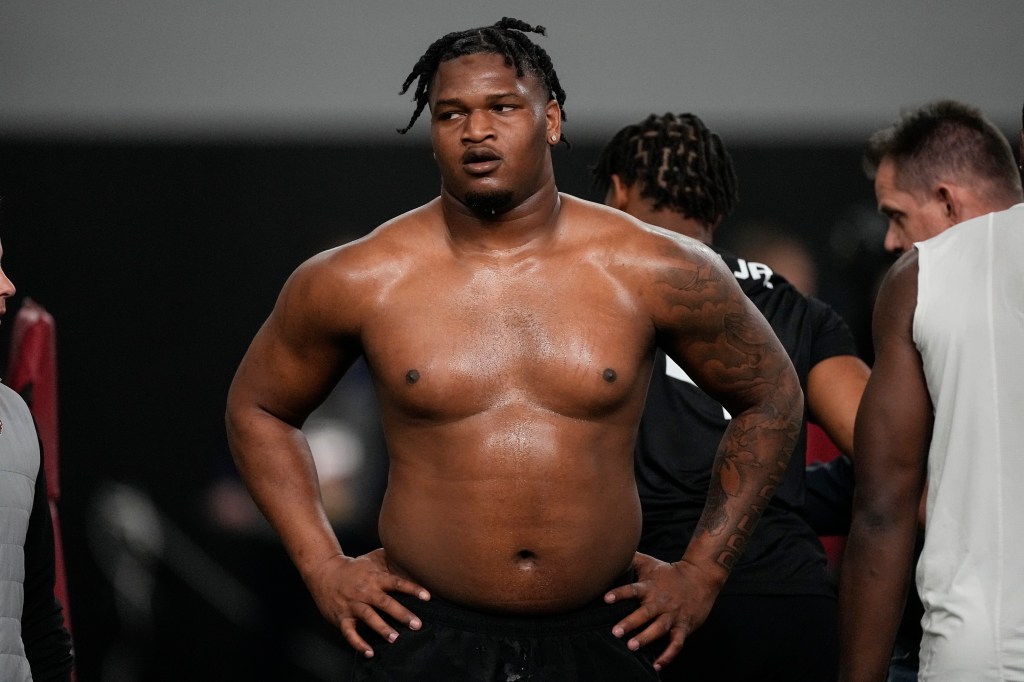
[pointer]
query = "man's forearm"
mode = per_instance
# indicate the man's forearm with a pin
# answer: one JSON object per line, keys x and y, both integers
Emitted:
{"x": 276, "y": 466}
{"x": 876, "y": 573}
{"x": 749, "y": 467}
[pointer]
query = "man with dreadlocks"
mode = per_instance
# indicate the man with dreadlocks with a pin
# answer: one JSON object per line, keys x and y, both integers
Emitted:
{"x": 510, "y": 332}
{"x": 778, "y": 607}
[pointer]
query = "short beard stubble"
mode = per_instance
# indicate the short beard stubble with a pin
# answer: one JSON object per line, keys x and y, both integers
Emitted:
{"x": 489, "y": 204}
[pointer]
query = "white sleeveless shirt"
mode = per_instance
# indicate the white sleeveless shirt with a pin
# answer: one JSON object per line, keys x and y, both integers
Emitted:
{"x": 969, "y": 328}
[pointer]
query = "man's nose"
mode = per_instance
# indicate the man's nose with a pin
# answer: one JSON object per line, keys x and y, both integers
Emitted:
{"x": 6, "y": 285}
{"x": 893, "y": 243}
{"x": 477, "y": 126}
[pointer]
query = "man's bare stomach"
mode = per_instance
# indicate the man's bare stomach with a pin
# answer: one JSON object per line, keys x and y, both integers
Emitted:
{"x": 489, "y": 548}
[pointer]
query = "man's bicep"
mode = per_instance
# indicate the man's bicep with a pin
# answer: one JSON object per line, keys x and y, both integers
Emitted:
{"x": 293, "y": 361}
{"x": 894, "y": 421}
{"x": 729, "y": 349}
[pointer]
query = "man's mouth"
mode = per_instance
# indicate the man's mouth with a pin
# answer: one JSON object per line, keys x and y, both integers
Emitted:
{"x": 480, "y": 161}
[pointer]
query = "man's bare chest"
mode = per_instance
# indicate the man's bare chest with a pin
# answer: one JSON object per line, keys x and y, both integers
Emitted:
{"x": 545, "y": 342}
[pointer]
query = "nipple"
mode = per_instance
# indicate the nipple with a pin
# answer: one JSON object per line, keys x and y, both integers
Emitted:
{"x": 412, "y": 376}
{"x": 609, "y": 375}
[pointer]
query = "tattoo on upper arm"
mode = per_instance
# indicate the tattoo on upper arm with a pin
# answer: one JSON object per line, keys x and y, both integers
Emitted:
{"x": 699, "y": 278}
{"x": 742, "y": 334}
{"x": 720, "y": 326}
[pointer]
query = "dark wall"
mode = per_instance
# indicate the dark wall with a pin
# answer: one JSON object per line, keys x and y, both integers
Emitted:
{"x": 160, "y": 260}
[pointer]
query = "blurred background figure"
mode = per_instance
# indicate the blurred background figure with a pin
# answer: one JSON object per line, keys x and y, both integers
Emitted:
{"x": 780, "y": 248}
{"x": 776, "y": 616}
{"x": 829, "y": 469}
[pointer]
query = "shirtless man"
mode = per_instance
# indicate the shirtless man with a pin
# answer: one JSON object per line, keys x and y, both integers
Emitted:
{"x": 510, "y": 332}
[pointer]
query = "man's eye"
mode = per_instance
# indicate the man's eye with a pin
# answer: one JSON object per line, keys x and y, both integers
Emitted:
{"x": 503, "y": 107}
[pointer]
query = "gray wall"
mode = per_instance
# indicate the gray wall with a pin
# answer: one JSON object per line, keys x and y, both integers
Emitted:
{"x": 753, "y": 69}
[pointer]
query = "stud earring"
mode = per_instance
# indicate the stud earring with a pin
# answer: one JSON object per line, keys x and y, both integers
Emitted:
{"x": 554, "y": 138}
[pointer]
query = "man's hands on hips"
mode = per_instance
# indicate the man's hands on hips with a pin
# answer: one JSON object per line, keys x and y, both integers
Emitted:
{"x": 675, "y": 601}
{"x": 348, "y": 590}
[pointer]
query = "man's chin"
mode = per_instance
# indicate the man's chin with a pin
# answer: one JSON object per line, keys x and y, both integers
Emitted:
{"x": 488, "y": 203}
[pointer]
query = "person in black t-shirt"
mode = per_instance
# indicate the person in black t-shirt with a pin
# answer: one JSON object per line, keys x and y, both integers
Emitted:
{"x": 776, "y": 617}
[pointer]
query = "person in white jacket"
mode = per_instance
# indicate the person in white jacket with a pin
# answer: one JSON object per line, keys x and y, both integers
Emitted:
{"x": 34, "y": 644}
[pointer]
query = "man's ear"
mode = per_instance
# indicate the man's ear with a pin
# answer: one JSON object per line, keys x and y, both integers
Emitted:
{"x": 953, "y": 202}
{"x": 553, "y": 115}
{"x": 618, "y": 193}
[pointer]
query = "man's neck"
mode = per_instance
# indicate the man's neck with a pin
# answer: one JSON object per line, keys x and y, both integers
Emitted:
{"x": 527, "y": 224}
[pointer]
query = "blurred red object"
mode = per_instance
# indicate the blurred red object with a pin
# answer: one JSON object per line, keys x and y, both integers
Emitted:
{"x": 32, "y": 372}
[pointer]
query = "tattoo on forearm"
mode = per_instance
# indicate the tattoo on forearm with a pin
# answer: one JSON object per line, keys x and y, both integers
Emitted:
{"x": 748, "y": 458}
{"x": 737, "y": 534}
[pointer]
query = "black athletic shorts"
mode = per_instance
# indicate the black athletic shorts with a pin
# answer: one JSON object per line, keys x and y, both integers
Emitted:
{"x": 456, "y": 645}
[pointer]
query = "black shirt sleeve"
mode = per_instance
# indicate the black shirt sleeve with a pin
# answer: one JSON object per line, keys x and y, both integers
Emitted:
{"x": 832, "y": 336}
{"x": 47, "y": 641}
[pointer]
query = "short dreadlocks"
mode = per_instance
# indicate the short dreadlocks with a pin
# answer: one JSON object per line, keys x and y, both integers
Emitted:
{"x": 506, "y": 38}
{"x": 679, "y": 163}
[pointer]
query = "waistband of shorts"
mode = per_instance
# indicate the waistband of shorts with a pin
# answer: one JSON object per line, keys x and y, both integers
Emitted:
{"x": 595, "y": 616}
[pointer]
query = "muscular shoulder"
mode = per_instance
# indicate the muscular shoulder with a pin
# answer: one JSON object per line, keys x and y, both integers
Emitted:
{"x": 902, "y": 276}
{"x": 897, "y": 300}
{"x": 662, "y": 269}
{"x": 645, "y": 248}
{"x": 340, "y": 285}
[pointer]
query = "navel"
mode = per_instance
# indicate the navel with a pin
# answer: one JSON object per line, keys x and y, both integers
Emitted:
{"x": 525, "y": 559}
{"x": 610, "y": 375}
{"x": 412, "y": 376}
